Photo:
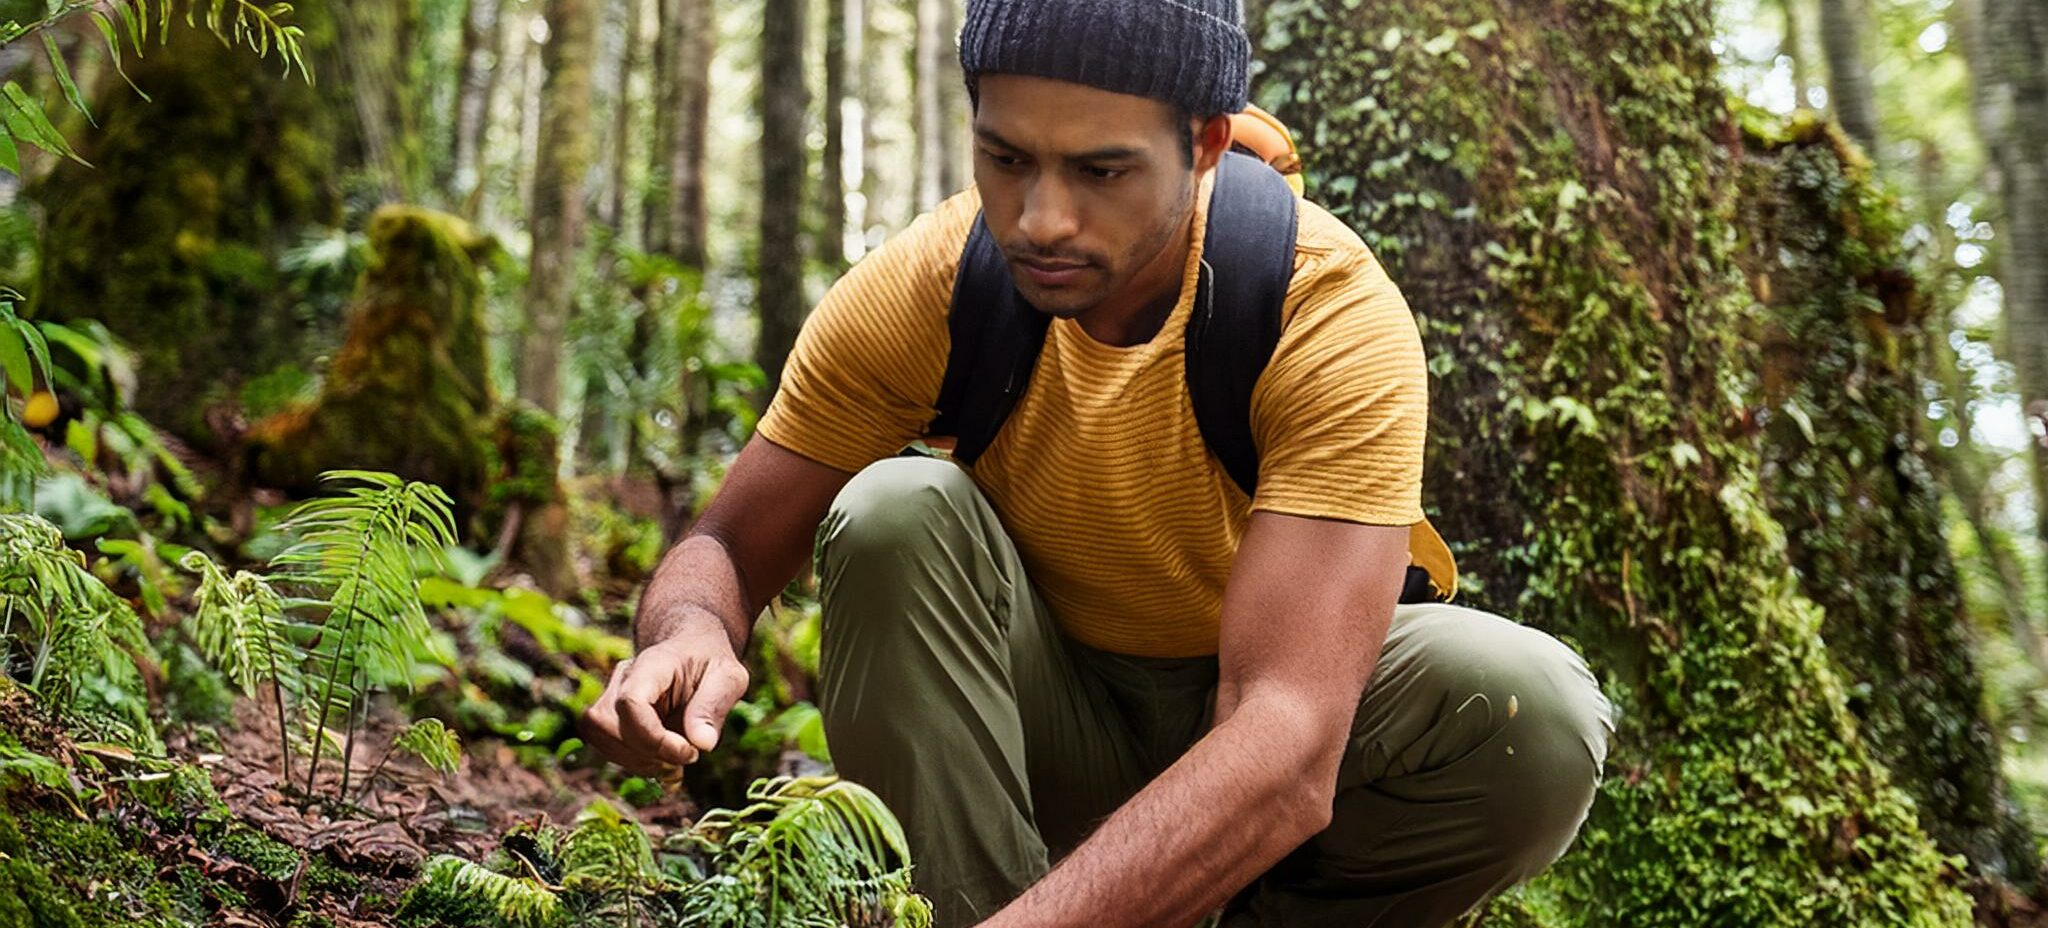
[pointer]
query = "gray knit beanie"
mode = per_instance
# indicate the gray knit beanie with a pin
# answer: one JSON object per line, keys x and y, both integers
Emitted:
{"x": 1190, "y": 53}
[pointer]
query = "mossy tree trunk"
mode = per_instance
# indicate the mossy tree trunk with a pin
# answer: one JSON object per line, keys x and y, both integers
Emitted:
{"x": 474, "y": 84}
{"x": 1848, "y": 461}
{"x": 203, "y": 188}
{"x": 1852, "y": 97}
{"x": 676, "y": 219}
{"x": 831, "y": 247}
{"x": 1556, "y": 188}
{"x": 377, "y": 39}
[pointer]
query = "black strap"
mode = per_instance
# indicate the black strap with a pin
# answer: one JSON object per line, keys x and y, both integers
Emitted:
{"x": 997, "y": 338}
{"x": 1247, "y": 263}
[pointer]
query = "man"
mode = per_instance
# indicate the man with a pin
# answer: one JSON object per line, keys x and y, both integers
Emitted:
{"x": 1097, "y": 683}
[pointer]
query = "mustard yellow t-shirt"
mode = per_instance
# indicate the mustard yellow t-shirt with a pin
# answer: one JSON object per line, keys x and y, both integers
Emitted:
{"x": 1126, "y": 524}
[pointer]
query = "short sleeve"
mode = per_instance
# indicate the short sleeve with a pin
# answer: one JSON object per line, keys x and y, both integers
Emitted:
{"x": 1340, "y": 415}
{"x": 864, "y": 376}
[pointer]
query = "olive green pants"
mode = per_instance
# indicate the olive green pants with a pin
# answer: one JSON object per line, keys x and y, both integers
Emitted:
{"x": 948, "y": 689}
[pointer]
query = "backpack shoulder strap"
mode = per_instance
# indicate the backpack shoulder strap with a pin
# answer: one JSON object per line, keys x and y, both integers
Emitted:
{"x": 1247, "y": 263}
{"x": 996, "y": 339}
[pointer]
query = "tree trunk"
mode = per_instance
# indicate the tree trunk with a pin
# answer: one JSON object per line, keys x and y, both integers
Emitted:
{"x": 1851, "y": 96}
{"x": 1575, "y": 272}
{"x": 1794, "y": 48}
{"x": 473, "y": 87}
{"x": 376, "y": 36}
{"x": 952, "y": 112}
{"x": 2016, "y": 39}
{"x": 561, "y": 161}
{"x": 929, "y": 123}
{"x": 831, "y": 247}
{"x": 675, "y": 223}
{"x": 783, "y": 101}
{"x": 631, "y": 61}
{"x": 1851, "y": 469}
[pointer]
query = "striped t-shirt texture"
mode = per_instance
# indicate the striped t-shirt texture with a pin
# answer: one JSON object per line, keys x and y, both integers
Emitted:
{"x": 1126, "y": 524}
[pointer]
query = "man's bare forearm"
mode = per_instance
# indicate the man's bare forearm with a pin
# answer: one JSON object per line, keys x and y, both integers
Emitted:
{"x": 696, "y": 589}
{"x": 1245, "y": 795}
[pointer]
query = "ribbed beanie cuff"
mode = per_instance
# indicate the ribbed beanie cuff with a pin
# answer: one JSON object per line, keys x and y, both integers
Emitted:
{"x": 1191, "y": 53}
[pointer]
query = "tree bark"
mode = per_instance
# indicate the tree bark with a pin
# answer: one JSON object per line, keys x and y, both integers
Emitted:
{"x": 624, "y": 109}
{"x": 676, "y": 217}
{"x": 376, "y": 36}
{"x": 480, "y": 66}
{"x": 1794, "y": 48}
{"x": 561, "y": 161}
{"x": 929, "y": 122}
{"x": 1851, "y": 95}
{"x": 831, "y": 247}
{"x": 783, "y": 102}
{"x": 1851, "y": 467}
{"x": 1575, "y": 271}
{"x": 952, "y": 111}
{"x": 2016, "y": 38}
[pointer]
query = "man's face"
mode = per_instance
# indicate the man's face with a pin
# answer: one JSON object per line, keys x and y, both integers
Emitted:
{"x": 1082, "y": 188}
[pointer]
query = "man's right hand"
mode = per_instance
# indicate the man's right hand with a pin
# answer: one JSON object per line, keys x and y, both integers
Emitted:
{"x": 666, "y": 705}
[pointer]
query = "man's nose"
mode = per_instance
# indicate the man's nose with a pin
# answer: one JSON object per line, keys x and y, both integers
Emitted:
{"x": 1049, "y": 215}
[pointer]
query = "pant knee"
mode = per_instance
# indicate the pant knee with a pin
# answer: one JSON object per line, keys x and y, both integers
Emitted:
{"x": 1545, "y": 732}
{"x": 891, "y": 505}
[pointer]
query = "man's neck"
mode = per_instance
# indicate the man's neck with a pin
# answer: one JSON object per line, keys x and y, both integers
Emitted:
{"x": 1136, "y": 314}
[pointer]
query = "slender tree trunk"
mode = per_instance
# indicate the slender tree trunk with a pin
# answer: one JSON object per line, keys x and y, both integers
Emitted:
{"x": 2017, "y": 31}
{"x": 831, "y": 247}
{"x": 1794, "y": 48}
{"x": 952, "y": 113}
{"x": 533, "y": 75}
{"x": 676, "y": 217}
{"x": 504, "y": 124}
{"x": 783, "y": 102}
{"x": 376, "y": 36}
{"x": 1850, "y": 93}
{"x": 479, "y": 73}
{"x": 853, "y": 132}
{"x": 930, "y": 123}
{"x": 1574, "y": 269}
{"x": 561, "y": 161}
{"x": 624, "y": 108}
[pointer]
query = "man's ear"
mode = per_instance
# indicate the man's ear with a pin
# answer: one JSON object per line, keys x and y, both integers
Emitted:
{"x": 1211, "y": 141}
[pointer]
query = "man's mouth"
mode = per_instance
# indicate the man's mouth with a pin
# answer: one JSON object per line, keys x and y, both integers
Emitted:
{"x": 1051, "y": 273}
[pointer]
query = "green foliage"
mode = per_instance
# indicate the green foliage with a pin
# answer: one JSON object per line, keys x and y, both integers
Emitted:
{"x": 24, "y": 358}
{"x": 353, "y": 561}
{"x": 64, "y": 636}
{"x": 803, "y": 853}
{"x": 814, "y": 851}
{"x": 259, "y": 28}
{"x": 431, "y": 742}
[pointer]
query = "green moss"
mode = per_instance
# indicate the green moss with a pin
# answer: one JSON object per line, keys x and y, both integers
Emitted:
{"x": 1556, "y": 189}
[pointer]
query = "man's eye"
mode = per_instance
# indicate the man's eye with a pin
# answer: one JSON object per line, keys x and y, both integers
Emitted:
{"x": 1006, "y": 161}
{"x": 1103, "y": 173}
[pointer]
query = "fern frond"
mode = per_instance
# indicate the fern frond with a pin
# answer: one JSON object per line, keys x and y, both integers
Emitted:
{"x": 240, "y": 626}
{"x": 354, "y": 565}
{"x": 64, "y": 634}
{"x": 812, "y": 850}
{"x": 518, "y": 900}
{"x": 432, "y": 742}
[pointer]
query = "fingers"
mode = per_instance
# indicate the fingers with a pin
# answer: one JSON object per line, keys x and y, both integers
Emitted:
{"x": 641, "y": 728}
{"x": 723, "y": 684}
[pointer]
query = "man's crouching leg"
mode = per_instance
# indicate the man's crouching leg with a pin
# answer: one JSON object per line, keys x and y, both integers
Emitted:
{"x": 1474, "y": 758}
{"x": 946, "y": 689}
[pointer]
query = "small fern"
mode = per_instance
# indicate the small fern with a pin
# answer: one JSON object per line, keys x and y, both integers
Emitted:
{"x": 64, "y": 635}
{"x": 240, "y": 626}
{"x": 432, "y": 742}
{"x": 354, "y": 564}
{"x": 517, "y": 900}
{"x": 805, "y": 851}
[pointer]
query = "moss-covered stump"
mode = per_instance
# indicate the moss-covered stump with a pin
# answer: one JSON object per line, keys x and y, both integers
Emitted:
{"x": 173, "y": 237}
{"x": 1555, "y": 186}
{"x": 1846, "y": 457}
{"x": 408, "y": 391}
